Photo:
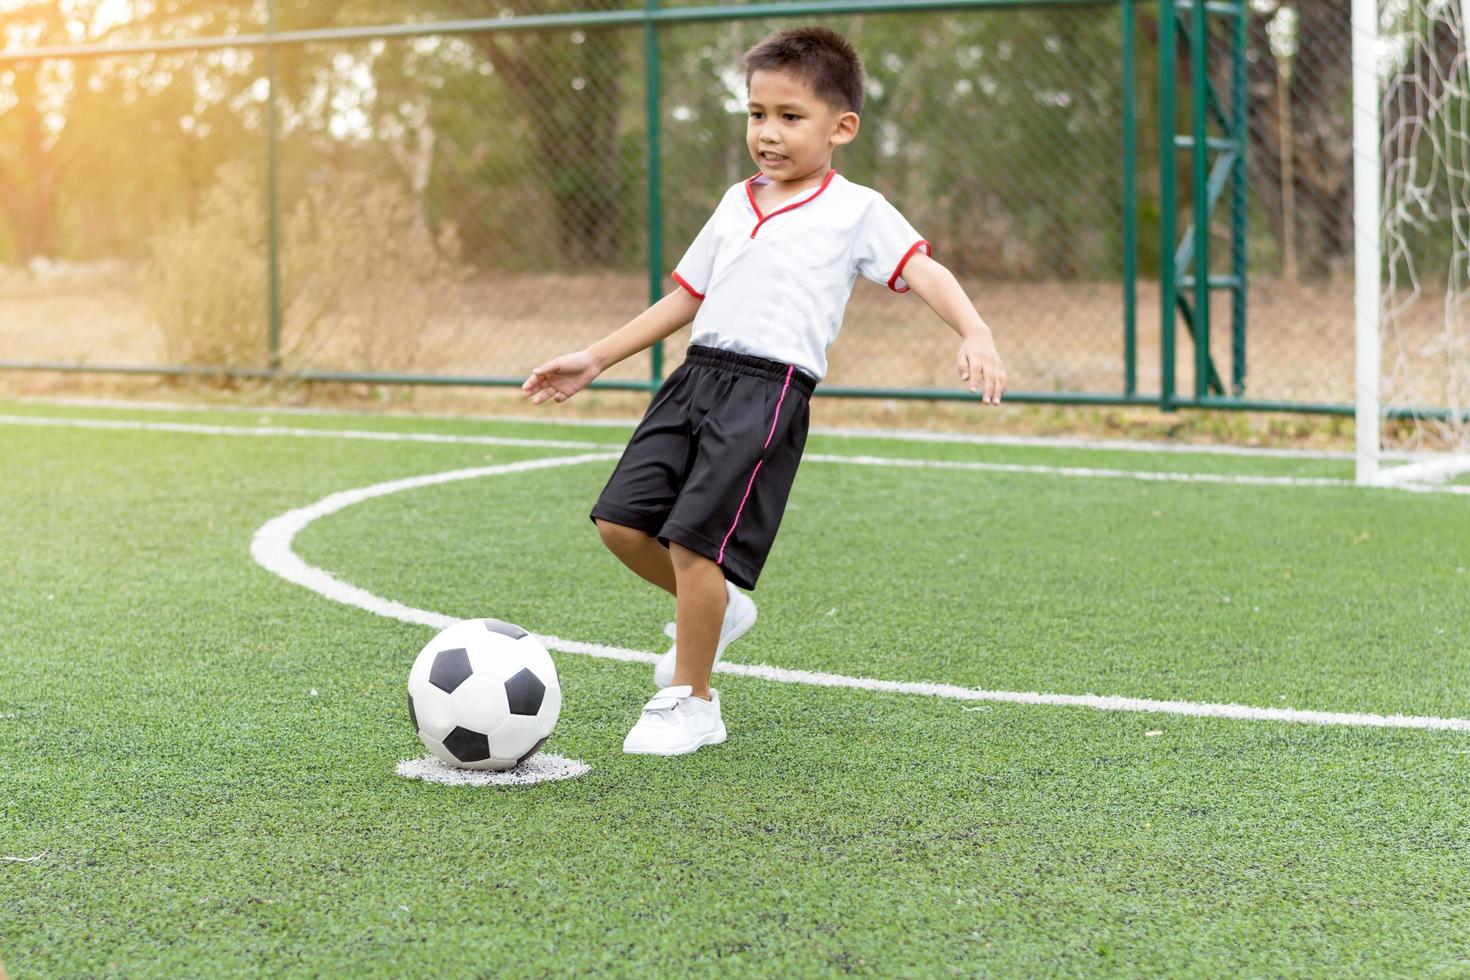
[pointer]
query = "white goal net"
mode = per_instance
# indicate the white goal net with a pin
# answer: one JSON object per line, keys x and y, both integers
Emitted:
{"x": 1411, "y": 99}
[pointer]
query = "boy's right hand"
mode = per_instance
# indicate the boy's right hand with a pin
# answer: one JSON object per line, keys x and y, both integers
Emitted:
{"x": 561, "y": 377}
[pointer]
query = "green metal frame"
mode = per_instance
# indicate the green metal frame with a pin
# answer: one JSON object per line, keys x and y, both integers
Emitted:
{"x": 273, "y": 166}
{"x": 1185, "y": 280}
{"x": 1130, "y": 204}
{"x": 655, "y": 180}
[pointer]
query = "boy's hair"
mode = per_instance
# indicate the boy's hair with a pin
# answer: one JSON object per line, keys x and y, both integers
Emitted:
{"x": 823, "y": 59}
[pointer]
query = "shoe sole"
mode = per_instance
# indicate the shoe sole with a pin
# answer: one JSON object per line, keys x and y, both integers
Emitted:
{"x": 713, "y": 738}
{"x": 740, "y": 630}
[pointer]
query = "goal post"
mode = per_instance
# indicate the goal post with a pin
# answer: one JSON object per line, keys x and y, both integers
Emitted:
{"x": 1367, "y": 291}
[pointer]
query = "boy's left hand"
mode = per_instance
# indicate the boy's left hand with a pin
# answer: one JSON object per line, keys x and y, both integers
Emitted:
{"x": 979, "y": 364}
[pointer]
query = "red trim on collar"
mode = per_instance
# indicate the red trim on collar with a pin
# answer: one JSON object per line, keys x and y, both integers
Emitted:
{"x": 750, "y": 193}
{"x": 928, "y": 250}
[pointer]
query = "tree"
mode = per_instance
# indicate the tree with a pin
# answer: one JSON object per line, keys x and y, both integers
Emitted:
{"x": 86, "y": 136}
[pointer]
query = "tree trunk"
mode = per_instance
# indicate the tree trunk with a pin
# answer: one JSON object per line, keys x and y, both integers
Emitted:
{"x": 576, "y": 131}
{"x": 1264, "y": 123}
{"x": 1318, "y": 113}
{"x": 28, "y": 184}
{"x": 1322, "y": 118}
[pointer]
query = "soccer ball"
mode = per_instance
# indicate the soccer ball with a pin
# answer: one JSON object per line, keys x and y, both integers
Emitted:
{"x": 483, "y": 695}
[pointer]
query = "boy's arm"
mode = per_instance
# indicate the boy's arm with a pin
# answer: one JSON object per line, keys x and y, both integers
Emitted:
{"x": 978, "y": 360}
{"x": 643, "y": 331}
{"x": 564, "y": 376}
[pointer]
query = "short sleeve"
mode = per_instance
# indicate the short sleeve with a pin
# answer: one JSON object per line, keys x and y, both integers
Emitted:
{"x": 885, "y": 243}
{"x": 695, "y": 268}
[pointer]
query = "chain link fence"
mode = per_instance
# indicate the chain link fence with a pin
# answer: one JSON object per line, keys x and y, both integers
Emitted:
{"x": 464, "y": 199}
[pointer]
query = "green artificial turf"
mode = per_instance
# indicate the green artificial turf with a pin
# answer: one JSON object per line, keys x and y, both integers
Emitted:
{"x": 202, "y": 754}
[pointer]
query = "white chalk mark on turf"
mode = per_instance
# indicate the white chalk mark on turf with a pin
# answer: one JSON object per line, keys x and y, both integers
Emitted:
{"x": 1086, "y": 472}
{"x": 1436, "y": 470}
{"x": 192, "y": 428}
{"x": 895, "y": 435}
{"x": 1242, "y": 479}
{"x": 271, "y": 548}
{"x": 543, "y": 767}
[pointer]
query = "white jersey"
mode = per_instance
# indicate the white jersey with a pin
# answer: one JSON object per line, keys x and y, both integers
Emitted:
{"x": 776, "y": 285}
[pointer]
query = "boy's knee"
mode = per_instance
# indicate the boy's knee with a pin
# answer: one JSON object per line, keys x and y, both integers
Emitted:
{"x": 619, "y": 537}
{"x": 687, "y": 557}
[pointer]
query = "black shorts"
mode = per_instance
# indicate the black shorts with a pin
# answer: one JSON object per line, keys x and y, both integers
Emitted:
{"x": 711, "y": 464}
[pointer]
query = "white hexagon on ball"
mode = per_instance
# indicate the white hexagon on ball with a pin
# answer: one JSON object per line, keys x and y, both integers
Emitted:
{"x": 483, "y": 694}
{"x": 431, "y": 712}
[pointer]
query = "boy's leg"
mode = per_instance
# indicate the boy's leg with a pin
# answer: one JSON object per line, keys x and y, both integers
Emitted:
{"x": 698, "y": 616}
{"x": 641, "y": 553}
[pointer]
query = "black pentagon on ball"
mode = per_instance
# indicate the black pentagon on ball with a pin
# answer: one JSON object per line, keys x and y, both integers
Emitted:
{"x": 413, "y": 715}
{"x": 524, "y": 692}
{"x": 506, "y": 629}
{"x": 451, "y": 669}
{"x": 467, "y": 746}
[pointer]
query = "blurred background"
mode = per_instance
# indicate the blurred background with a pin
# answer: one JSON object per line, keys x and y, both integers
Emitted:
{"x": 472, "y": 198}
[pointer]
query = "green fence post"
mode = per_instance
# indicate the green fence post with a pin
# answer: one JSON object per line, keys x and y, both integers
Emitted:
{"x": 1200, "y": 178}
{"x": 273, "y": 267}
{"x": 1168, "y": 204}
{"x": 1238, "y": 203}
{"x": 1130, "y": 214}
{"x": 655, "y": 209}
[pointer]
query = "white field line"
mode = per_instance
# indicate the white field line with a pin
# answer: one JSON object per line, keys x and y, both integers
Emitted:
{"x": 1147, "y": 476}
{"x": 899, "y": 435}
{"x": 1075, "y": 442}
{"x": 1087, "y": 471}
{"x": 190, "y": 428}
{"x": 272, "y": 549}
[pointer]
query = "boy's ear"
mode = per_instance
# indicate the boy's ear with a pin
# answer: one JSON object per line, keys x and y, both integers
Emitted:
{"x": 846, "y": 128}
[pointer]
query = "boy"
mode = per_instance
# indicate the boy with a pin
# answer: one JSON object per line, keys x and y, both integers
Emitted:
{"x": 694, "y": 503}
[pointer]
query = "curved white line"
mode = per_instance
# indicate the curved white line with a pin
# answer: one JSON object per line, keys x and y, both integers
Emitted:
{"x": 271, "y": 546}
{"x": 271, "y": 549}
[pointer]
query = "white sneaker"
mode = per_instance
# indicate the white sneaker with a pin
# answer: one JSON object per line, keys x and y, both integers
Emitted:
{"x": 739, "y": 617}
{"x": 676, "y": 723}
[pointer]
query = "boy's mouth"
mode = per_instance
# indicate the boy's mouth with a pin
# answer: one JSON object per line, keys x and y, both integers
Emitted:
{"x": 767, "y": 157}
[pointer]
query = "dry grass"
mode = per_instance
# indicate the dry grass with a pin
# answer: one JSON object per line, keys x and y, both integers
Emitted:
{"x": 362, "y": 262}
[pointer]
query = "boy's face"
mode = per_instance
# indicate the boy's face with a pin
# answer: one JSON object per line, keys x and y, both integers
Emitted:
{"x": 790, "y": 129}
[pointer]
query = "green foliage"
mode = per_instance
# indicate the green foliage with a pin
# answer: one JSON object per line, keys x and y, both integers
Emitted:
{"x": 996, "y": 131}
